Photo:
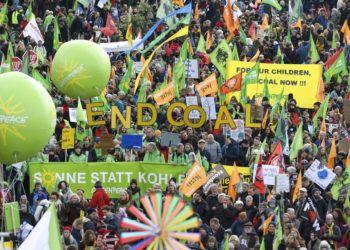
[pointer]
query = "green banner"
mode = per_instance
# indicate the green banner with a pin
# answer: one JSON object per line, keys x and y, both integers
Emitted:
{"x": 114, "y": 176}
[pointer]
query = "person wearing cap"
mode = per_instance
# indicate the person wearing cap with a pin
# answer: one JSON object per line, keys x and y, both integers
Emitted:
{"x": 319, "y": 203}
{"x": 203, "y": 154}
{"x": 178, "y": 156}
{"x": 249, "y": 239}
{"x": 67, "y": 238}
{"x": 153, "y": 154}
{"x": 77, "y": 156}
{"x": 99, "y": 198}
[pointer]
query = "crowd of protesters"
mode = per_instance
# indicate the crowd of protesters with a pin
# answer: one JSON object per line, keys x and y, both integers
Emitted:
{"x": 239, "y": 221}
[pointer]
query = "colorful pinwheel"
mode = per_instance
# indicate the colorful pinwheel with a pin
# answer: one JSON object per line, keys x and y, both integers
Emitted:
{"x": 166, "y": 221}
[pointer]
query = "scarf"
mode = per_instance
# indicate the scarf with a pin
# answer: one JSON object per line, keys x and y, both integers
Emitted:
{"x": 330, "y": 232}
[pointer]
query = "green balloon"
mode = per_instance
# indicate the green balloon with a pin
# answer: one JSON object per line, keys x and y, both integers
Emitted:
{"x": 81, "y": 68}
{"x": 27, "y": 117}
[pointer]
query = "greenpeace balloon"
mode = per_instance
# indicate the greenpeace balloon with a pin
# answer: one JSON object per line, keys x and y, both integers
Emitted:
{"x": 27, "y": 117}
{"x": 81, "y": 68}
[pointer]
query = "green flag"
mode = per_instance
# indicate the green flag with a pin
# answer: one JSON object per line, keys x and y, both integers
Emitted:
{"x": 278, "y": 234}
{"x": 281, "y": 127}
{"x": 184, "y": 50}
{"x": 37, "y": 76}
{"x": 29, "y": 13}
{"x": 26, "y": 62}
{"x": 226, "y": 245}
{"x": 80, "y": 131}
{"x": 235, "y": 55}
{"x": 143, "y": 89}
{"x": 201, "y": 44}
{"x": 273, "y": 3}
{"x": 297, "y": 12}
{"x": 124, "y": 84}
{"x": 165, "y": 8}
{"x": 262, "y": 245}
{"x": 279, "y": 55}
{"x": 7, "y": 66}
{"x": 313, "y": 54}
{"x": 321, "y": 112}
{"x": 297, "y": 143}
{"x": 276, "y": 105}
{"x": 289, "y": 38}
{"x": 47, "y": 21}
{"x": 220, "y": 55}
{"x": 266, "y": 92}
{"x": 250, "y": 78}
{"x": 222, "y": 97}
{"x": 334, "y": 39}
{"x": 56, "y": 34}
{"x": 338, "y": 67}
{"x": 85, "y": 3}
{"x": 242, "y": 35}
{"x": 3, "y": 14}
{"x": 339, "y": 184}
{"x": 179, "y": 76}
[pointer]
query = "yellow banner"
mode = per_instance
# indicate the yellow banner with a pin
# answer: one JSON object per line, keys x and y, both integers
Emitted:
{"x": 180, "y": 33}
{"x": 301, "y": 80}
{"x": 164, "y": 95}
{"x": 208, "y": 86}
{"x": 68, "y": 138}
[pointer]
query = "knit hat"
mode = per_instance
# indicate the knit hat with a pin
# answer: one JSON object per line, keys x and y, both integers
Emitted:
{"x": 98, "y": 184}
{"x": 66, "y": 228}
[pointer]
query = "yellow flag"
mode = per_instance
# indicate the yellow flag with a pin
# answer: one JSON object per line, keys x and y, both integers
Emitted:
{"x": 181, "y": 32}
{"x": 298, "y": 25}
{"x": 179, "y": 3}
{"x": 266, "y": 225}
{"x": 196, "y": 12}
{"x": 195, "y": 178}
{"x": 265, "y": 23}
{"x": 332, "y": 155}
{"x": 297, "y": 188}
{"x": 209, "y": 40}
{"x": 256, "y": 56}
{"x": 208, "y": 86}
{"x": 346, "y": 31}
{"x": 82, "y": 214}
{"x": 164, "y": 95}
{"x": 234, "y": 180}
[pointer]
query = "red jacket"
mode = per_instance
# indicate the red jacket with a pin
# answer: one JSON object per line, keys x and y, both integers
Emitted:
{"x": 99, "y": 199}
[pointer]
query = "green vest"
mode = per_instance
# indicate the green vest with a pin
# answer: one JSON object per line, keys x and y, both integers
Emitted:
{"x": 77, "y": 158}
{"x": 14, "y": 17}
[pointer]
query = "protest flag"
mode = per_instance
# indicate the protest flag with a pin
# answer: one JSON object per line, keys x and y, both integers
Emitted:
{"x": 208, "y": 86}
{"x": 258, "y": 181}
{"x": 276, "y": 105}
{"x": 3, "y": 14}
{"x": 164, "y": 95}
{"x": 201, "y": 45}
{"x": 266, "y": 92}
{"x": 265, "y": 22}
{"x": 276, "y": 157}
{"x": 234, "y": 180}
{"x": 251, "y": 77}
{"x": 80, "y": 131}
{"x": 110, "y": 27}
{"x": 228, "y": 17}
{"x": 209, "y": 40}
{"x": 273, "y": 3}
{"x": 278, "y": 233}
{"x": 320, "y": 90}
{"x": 337, "y": 67}
{"x": 179, "y": 3}
{"x": 196, "y": 12}
{"x": 332, "y": 155}
{"x": 37, "y": 76}
{"x": 313, "y": 54}
{"x": 321, "y": 112}
{"x": 252, "y": 31}
{"x": 220, "y": 55}
{"x": 346, "y": 32}
{"x": 332, "y": 59}
{"x": 297, "y": 143}
{"x": 264, "y": 122}
{"x": 128, "y": 34}
{"x": 297, "y": 188}
{"x": 124, "y": 84}
{"x": 266, "y": 224}
{"x": 256, "y": 56}
{"x": 232, "y": 85}
{"x": 56, "y": 34}
{"x": 195, "y": 178}
{"x": 235, "y": 55}
{"x": 242, "y": 35}
{"x": 279, "y": 55}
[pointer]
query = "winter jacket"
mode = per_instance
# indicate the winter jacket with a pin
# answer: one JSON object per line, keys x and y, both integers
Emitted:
{"x": 112, "y": 223}
{"x": 77, "y": 158}
{"x": 214, "y": 150}
{"x": 202, "y": 209}
{"x": 248, "y": 241}
{"x": 237, "y": 227}
{"x": 99, "y": 199}
{"x": 155, "y": 156}
{"x": 225, "y": 215}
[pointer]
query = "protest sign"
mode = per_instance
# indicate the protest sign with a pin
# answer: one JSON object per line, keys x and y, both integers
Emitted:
{"x": 32, "y": 57}
{"x": 84, "y": 175}
{"x": 105, "y": 143}
{"x": 119, "y": 46}
{"x": 16, "y": 63}
{"x": 68, "y": 138}
{"x": 344, "y": 145}
{"x": 192, "y": 101}
{"x": 191, "y": 67}
{"x": 195, "y": 178}
{"x": 331, "y": 126}
{"x": 238, "y": 133}
{"x": 218, "y": 172}
{"x": 346, "y": 113}
{"x": 269, "y": 174}
{"x": 208, "y": 104}
{"x": 131, "y": 141}
{"x": 73, "y": 114}
{"x": 11, "y": 216}
{"x": 169, "y": 139}
{"x": 245, "y": 171}
{"x": 282, "y": 183}
{"x": 299, "y": 79}
{"x": 320, "y": 174}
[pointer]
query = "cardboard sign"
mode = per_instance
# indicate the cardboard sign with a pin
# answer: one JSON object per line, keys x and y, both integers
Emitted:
{"x": 218, "y": 172}
{"x": 191, "y": 67}
{"x": 238, "y": 133}
{"x": 16, "y": 63}
{"x": 132, "y": 141}
{"x": 346, "y": 113}
{"x": 208, "y": 104}
{"x": 105, "y": 143}
{"x": 320, "y": 174}
{"x": 344, "y": 145}
{"x": 192, "y": 101}
{"x": 169, "y": 139}
{"x": 11, "y": 212}
{"x": 68, "y": 138}
{"x": 73, "y": 114}
{"x": 32, "y": 57}
{"x": 269, "y": 174}
{"x": 282, "y": 183}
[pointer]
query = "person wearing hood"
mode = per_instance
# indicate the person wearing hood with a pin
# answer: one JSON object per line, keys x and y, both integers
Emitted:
{"x": 99, "y": 198}
{"x": 41, "y": 208}
{"x": 248, "y": 240}
{"x": 73, "y": 208}
{"x": 77, "y": 156}
{"x": 153, "y": 154}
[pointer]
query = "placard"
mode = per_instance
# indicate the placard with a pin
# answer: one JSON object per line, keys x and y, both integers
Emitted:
{"x": 68, "y": 138}
{"x": 282, "y": 183}
{"x": 269, "y": 174}
{"x": 346, "y": 106}
{"x": 238, "y": 133}
{"x": 208, "y": 104}
{"x": 320, "y": 174}
{"x": 16, "y": 63}
{"x": 218, "y": 172}
{"x": 105, "y": 143}
{"x": 131, "y": 141}
{"x": 169, "y": 139}
{"x": 191, "y": 68}
{"x": 192, "y": 101}
{"x": 73, "y": 115}
{"x": 332, "y": 126}
{"x": 11, "y": 212}
{"x": 344, "y": 145}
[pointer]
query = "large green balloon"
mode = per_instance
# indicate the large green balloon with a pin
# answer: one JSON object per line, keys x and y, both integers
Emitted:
{"x": 81, "y": 68}
{"x": 27, "y": 117}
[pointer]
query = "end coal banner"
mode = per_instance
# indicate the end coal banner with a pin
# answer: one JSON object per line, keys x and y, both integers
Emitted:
{"x": 299, "y": 79}
{"x": 114, "y": 176}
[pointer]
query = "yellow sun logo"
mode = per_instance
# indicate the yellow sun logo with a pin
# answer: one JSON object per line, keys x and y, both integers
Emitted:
{"x": 11, "y": 119}
{"x": 72, "y": 73}
{"x": 48, "y": 178}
